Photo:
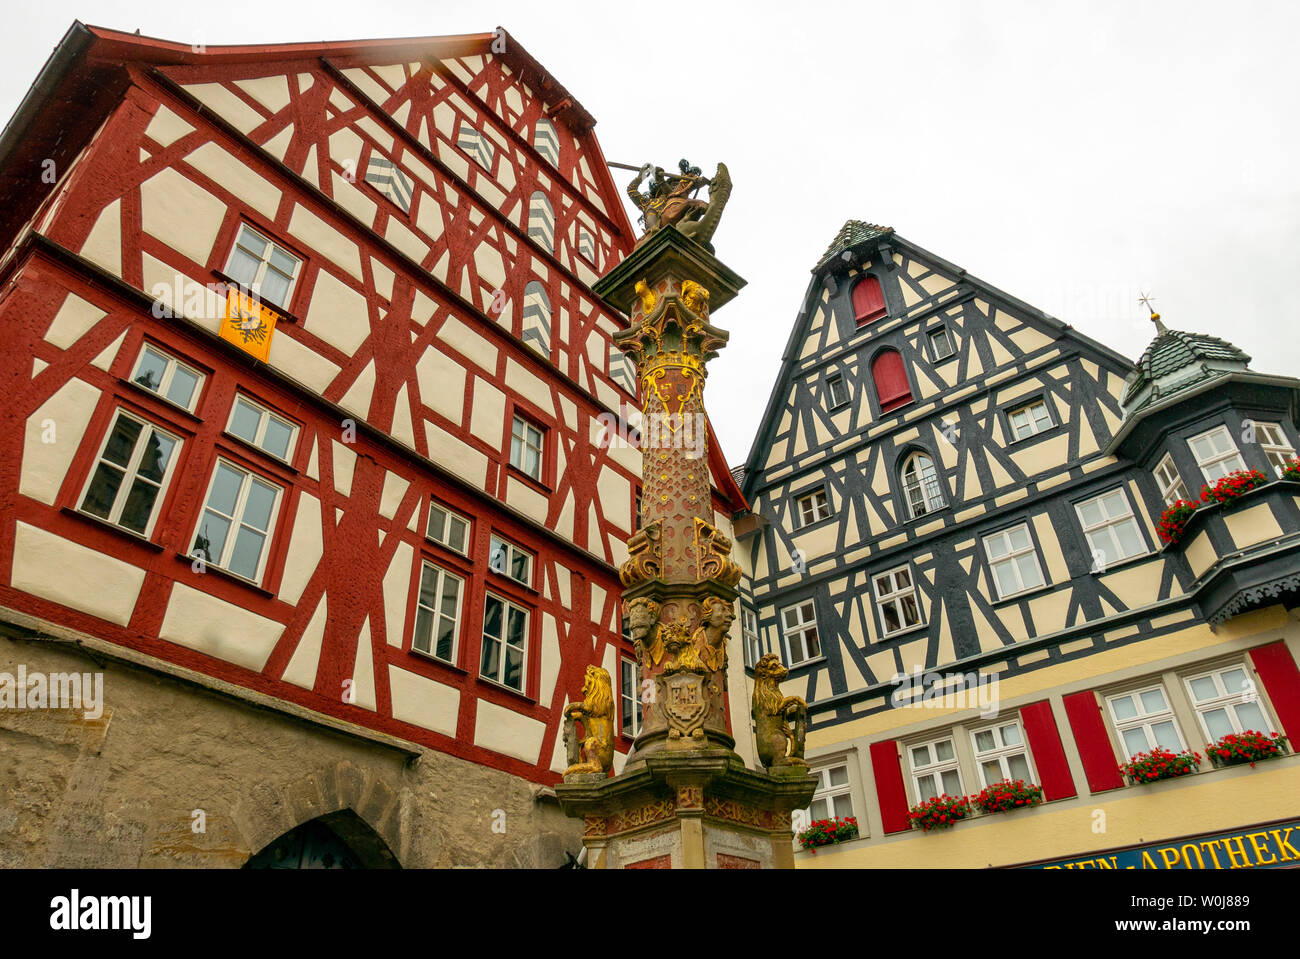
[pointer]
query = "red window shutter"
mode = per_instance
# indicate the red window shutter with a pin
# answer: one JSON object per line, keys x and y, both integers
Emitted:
{"x": 868, "y": 300}
{"x": 1281, "y": 678}
{"x": 889, "y": 786}
{"x": 1094, "y": 744}
{"x": 1048, "y": 753}
{"x": 891, "y": 380}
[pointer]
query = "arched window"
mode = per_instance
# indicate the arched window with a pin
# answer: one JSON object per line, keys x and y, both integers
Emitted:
{"x": 868, "y": 300}
{"x": 546, "y": 141}
{"x": 541, "y": 221}
{"x": 537, "y": 318}
{"x": 891, "y": 380}
{"x": 921, "y": 485}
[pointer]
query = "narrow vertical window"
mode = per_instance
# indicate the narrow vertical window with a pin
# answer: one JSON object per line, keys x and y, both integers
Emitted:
{"x": 541, "y": 222}
{"x": 890, "y": 378}
{"x": 921, "y": 485}
{"x": 546, "y": 141}
{"x": 537, "y": 318}
{"x": 868, "y": 300}
{"x": 131, "y": 474}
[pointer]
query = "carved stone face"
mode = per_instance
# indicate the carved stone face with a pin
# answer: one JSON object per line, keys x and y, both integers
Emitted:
{"x": 721, "y": 617}
{"x": 640, "y": 617}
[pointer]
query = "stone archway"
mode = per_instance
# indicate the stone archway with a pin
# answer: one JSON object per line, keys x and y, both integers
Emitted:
{"x": 339, "y": 840}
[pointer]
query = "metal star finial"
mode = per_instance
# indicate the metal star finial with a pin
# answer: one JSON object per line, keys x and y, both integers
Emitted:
{"x": 1146, "y": 300}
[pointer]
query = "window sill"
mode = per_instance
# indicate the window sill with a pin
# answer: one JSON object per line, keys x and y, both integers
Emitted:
{"x": 886, "y": 637}
{"x": 172, "y": 407}
{"x": 523, "y": 697}
{"x": 1023, "y": 594}
{"x": 270, "y": 458}
{"x": 281, "y": 314}
{"x": 1033, "y": 437}
{"x": 104, "y": 524}
{"x": 225, "y": 574}
{"x": 1120, "y": 564}
{"x": 807, "y": 662}
{"x": 509, "y": 582}
{"x": 926, "y": 516}
{"x": 430, "y": 657}
{"x": 527, "y": 480}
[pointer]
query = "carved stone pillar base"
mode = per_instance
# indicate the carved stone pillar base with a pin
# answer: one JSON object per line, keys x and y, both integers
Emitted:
{"x": 700, "y": 810}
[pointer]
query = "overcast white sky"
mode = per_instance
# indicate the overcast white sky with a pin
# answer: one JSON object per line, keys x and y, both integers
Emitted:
{"x": 1068, "y": 153}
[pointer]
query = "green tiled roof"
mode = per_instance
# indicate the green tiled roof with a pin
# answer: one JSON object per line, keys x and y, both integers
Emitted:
{"x": 851, "y": 234}
{"x": 1174, "y": 350}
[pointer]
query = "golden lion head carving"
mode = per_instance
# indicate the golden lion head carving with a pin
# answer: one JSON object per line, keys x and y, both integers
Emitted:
{"x": 597, "y": 692}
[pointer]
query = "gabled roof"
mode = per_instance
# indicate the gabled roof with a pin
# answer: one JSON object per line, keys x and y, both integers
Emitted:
{"x": 852, "y": 234}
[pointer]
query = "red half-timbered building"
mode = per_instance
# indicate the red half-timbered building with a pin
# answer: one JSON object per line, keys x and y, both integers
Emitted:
{"x": 305, "y": 395}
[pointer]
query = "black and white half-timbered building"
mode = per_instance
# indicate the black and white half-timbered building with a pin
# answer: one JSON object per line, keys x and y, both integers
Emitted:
{"x": 955, "y": 547}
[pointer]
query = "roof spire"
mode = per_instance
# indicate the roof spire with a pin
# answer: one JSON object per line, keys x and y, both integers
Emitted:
{"x": 1146, "y": 300}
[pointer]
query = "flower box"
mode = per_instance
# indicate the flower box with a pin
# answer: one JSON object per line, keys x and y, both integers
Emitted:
{"x": 1232, "y": 486}
{"x": 827, "y": 832}
{"x": 1160, "y": 764}
{"x": 1008, "y": 794}
{"x": 1291, "y": 471}
{"x": 1248, "y": 747}
{"x": 1173, "y": 521}
{"x": 941, "y": 812}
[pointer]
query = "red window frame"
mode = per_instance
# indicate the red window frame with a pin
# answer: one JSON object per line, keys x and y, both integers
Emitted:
{"x": 868, "y": 300}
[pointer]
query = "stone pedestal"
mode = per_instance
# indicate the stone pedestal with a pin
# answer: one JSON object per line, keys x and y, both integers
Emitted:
{"x": 684, "y": 799}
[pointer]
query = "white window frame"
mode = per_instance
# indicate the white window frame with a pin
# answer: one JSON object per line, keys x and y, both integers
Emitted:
{"x": 1010, "y": 557}
{"x": 836, "y": 398}
{"x": 1002, "y": 753}
{"x": 130, "y": 473}
{"x": 1274, "y": 444}
{"x": 828, "y": 793}
{"x": 1170, "y": 483}
{"x": 801, "y": 627}
{"x": 477, "y": 146}
{"x": 1227, "y": 701}
{"x": 630, "y": 707}
{"x": 264, "y": 421}
{"x": 507, "y": 606}
{"x": 237, "y": 519}
{"x": 171, "y": 365}
{"x": 449, "y": 516}
{"x": 810, "y": 509}
{"x": 501, "y": 548}
{"x": 946, "y": 334}
{"x": 895, "y": 598}
{"x": 436, "y": 615}
{"x": 1034, "y": 424}
{"x": 523, "y": 439}
{"x": 1211, "y": 465}
{"x": 256, "y": 286}
{"x": 1106, "y": 527}
{"x": 1144, "y": 720}
{"x": 922, "y": 496}
{"x": 750, "y": 636}
{"x": 934, "y": 767}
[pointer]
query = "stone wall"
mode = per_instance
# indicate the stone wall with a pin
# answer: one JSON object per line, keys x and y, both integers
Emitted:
{"x": 122, "y": 790}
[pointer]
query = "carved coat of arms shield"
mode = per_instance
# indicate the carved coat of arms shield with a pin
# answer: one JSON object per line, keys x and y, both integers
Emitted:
{"x": 685, "y": 703}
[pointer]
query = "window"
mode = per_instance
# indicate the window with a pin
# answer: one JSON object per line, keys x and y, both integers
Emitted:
{"x": 505, "y": 641}
{"x": 266, "y": 270}
{"x": 1144, "y": 720}
{"x": 1216, "y": 454}
{"x": 437, "y": 613}
{"x": 1000, "y": 753}
{"x": 813, "y": 508}
{"x": 749, "y": 636}
{"x": 1013, "y": 561}
{"x": 541, "y": 222}
{"x": 537, "y": 318}
{"x": 236, "y": 521}
{"x": 934, "y": 769}
{"x": 868, "y": 300}
{"x": 448, "y": 529}
{"x": 390, "y": 180}
{"x": 475, "y": 144}
{"x": 1227, "y": 703}
{"x": 941, "y": 347}
{"x": 1112, "y": 532}
{"x": 896, "y": 595}
{"x": 636, "y": 508}
{"x": 1274, "y": 444}
{"x": 131, "y": 473}
{"x": 921, "y": 485}
{"x": 162, "y": 373}
{"x": 1029, "y": 419}
{"x": 1171, "y": 484}
{"x": 892, "y": 389}
{"x": 630, "y": 696}
{"x": 587, "y": 244}
{"x": 834, "y": 795}
{"x": 526, "y": 448}
{"x": 509, "y": 560}
{"x": 801, "y": 633}
{"x": 255, "y": 424}
{"x": 836, "y": 391}
{"x": 546, "y": 141}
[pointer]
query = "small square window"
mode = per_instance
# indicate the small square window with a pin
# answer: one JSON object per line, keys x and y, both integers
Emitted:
{"x": 509, "y": 560}
{"x": 526, "y": 447}
{"x": 448, "y": 529}
{"x": 266, "y": 270}
{"x": 1013, "y": 561}
{"x": 1227, "y": 703}
{"x": 1144, "y": 719}
{"x": 833, "y": 798}
{"x": 941, "y": 347}
{"x": 837, "y": 392}
{"x": 1001, "y": 753}
{"x": 898, "y": 600}
{"x": 801, "y": 633}
{"x": 1029, "y": 419}
{"x": 161, "y": 373}
{"x": 1274, "y": 443}
{"x": 935, "y": 769}
{"x": 255, "y": 424}
{"x": 813, "y": 508}
{"x": 1216, "y": 454}
{"x": 1112, "y": 531}
{"x": 131, "y": 474}
{"x": 235, "y": 527}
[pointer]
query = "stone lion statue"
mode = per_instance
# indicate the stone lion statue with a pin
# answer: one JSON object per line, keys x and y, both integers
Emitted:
{"x": 778, "y": 744}
{"x": 594, "y": 752}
